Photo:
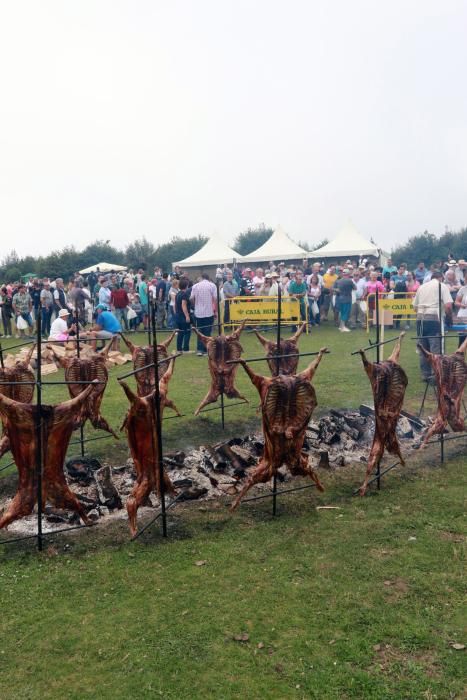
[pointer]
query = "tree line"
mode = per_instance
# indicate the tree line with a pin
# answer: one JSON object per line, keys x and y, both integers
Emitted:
{"x": 142, "y": 253}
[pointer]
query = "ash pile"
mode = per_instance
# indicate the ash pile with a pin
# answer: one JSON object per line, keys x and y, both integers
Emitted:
{"x": 338, "y": 439}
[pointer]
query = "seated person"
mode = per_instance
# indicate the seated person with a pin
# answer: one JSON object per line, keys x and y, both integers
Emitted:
{"x": 107, "y": 326}
{"x": 59, "y": 330}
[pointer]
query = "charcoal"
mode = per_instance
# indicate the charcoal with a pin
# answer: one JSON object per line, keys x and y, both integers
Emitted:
{"x": 106, "y": 489}
{"x": 182, "y": 483}
{"x": 324, "y": 460}
{"x": 192, "y": 494}
{"x": 81, "y": 469}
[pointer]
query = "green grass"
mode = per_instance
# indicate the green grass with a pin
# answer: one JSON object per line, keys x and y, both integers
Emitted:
{"x": 335, "y": 603}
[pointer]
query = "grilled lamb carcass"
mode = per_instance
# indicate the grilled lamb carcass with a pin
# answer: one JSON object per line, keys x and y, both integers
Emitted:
{"x": 87, "y": 369}
{"x": 140, "y": 426}
{"x": 143, "y": 356}
{"x": 287, "y": 403}
{"x": 221, "y": 349}
{"x": 287, "y": 365}
{"x": 450, "y": 373}
{"x": 388, "y": 382}
{"x": 57, "y": 428}
{"x": 21, "y": 372}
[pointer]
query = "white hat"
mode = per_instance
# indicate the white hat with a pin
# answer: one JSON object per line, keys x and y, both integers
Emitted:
{"x": 63, "y": 312}
{"x": 345, "y": 271}
{"x": 452, "y": 262}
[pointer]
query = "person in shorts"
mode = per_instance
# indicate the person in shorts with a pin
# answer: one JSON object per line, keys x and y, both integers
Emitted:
{"x": 107, "y": 326}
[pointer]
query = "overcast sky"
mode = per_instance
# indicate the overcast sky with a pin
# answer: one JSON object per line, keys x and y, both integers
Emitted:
{"x": 161, "y": 117}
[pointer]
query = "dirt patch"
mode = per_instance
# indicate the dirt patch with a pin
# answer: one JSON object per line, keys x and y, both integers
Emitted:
{"x": 387, "y": 657}
{"x": 451, "y": 536}
{"x": 396, "y": 589}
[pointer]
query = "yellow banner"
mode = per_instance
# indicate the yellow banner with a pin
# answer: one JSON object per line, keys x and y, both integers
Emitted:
{"x": 263, "y": 309}
{"x": 401, "y": 307}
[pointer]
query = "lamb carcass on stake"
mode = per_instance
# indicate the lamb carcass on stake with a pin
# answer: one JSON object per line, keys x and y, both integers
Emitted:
{"x": 140, "y": 426}
{"x": 289, "y": 346}
{"x": 221, "y": 349}
{"x": 450, "y": 373}
{"x": 21, "y": 372}
{"x": 388, "y": 382}
{"x": 287, "y": 402}
{"x": 87, "y": 369}
{"x": 57, "y": 427}
{"x": 143, "y": 356}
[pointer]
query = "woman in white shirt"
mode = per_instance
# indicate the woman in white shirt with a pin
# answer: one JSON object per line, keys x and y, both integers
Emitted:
{"x": 59, "y": 329}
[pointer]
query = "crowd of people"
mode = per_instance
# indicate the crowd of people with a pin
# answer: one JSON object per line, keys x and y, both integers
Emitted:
{"x": 344, "y": 294}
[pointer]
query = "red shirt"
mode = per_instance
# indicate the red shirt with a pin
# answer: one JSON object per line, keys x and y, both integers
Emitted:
{"x": 119, "y": 298}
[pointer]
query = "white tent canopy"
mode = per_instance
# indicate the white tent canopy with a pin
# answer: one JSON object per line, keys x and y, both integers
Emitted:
{"x": 213, "y": 252}
{"x": 278, "y": 247}
{"x": 349, "y": 241}
{"x": 103, "y": 267}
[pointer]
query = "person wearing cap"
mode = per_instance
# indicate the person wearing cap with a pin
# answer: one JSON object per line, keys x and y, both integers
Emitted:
{"x": 343, "y": 289}
{"x": 59, "y": 329}
{"x": 274, "y": 288}
{"x": 247, "y": 286}
{"x": 426, "y": 304}
{"x": 266, "y": 286}
{"x": 107, "y": 326}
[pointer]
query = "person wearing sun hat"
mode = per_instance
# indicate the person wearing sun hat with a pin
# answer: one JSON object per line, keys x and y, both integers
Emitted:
{"x": 59, "y": 329}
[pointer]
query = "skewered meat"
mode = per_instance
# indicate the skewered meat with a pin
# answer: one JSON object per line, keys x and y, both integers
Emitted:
{"x": 388, "y": 382}
{"x": 287, "y": 365}
{"x": 221, "y": 349}
{"x": 143, "y": 356}
{"x": 87, "y": 369}
{"x": 140, "y": 426}
{"x": 287, "y": 403}
{"x": 57, "y": 427}
{"x": 21, "y": 372}
{"x": 450, "y": 373}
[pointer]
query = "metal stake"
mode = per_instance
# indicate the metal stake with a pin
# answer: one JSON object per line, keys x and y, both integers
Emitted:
{"x": 441, "y": 437}
{"x": 219, "y": 332}
{"x": 158, "y": 453}
{"x": 378, "y": 329}
{"x": 278, "y": 345}
{"x": 78, "y": 353}
{"x": 40, "y": 451}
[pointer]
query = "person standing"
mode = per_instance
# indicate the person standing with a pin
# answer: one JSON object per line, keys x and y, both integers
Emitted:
{"x": 22, "y": 306}
{"x": 230, "y": 289}
{"x": 161, "y": 300}
{"x": 182, "y": 316}
{"x": 104, "y": 296}
{"x": 119, "y": 302}
{"x": 297, "y": 290}
{"x": 173, "y": 291}
{"x": 314, "y": 294}
{"x": 344, "y": 288}
{"x": 426, "y": 305}
{"x": 357, "y": 316}
{"x": 204, "y": 297}
{"x": 329, "y": 280}
{"x": 7, "y": 311}
{"x": 47, "y": 306}
{"x": 461, "y": 303}
{"x": 144, "y": 298}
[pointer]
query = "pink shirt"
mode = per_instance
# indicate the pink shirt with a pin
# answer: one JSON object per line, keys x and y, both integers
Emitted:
{"x": 371, "y": 287}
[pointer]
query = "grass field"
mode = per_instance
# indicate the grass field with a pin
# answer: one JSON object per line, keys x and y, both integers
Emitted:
{"x": 360, "y": 601}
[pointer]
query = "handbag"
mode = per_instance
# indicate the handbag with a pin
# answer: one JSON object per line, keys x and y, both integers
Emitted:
{"x": 21, "y": 324}
{"x": 314, "y": 308}
{"x": 131, "y": 314}
{"x": 363, "y": 307}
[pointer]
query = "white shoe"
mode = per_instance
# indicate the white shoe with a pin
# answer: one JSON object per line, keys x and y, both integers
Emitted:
{"x": 346, "y": 330}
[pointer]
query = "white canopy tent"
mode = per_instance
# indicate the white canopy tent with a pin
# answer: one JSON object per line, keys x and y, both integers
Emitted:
{"x": 348, "y": 242}
{"x": 278, "y": 247}
{"x": 103, "y": 267}
{"x": 213, "y": 252}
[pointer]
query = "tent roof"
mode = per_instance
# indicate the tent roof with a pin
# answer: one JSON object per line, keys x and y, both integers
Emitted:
{"x": 213, "y": 252}
{"x": 103, "y": 267}
{"x": 278, "y": 247}
{"x": 349, "y": 241}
